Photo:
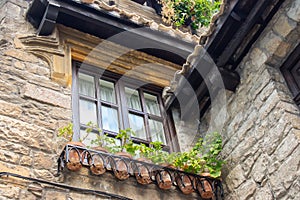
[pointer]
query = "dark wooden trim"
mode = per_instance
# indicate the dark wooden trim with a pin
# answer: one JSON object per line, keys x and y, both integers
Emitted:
{"x": 291, "y": 72}
{"x": 121, "y": 106}
{"x": 246, "y": 25}
{"x": 48, "y": 22}
{"x": 90, "y": 20}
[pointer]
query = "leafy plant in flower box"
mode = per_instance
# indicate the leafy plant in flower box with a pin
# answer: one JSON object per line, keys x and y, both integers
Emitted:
{"x": 195, "y": 13}
{"x": 202, "y": 159}
{"x": 126, "y": 149}
{"x": 75, "y": 156}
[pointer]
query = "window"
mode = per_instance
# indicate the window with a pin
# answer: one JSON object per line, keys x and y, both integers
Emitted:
{"x": 115, "y": 102}
{"x": 291, "y": 72}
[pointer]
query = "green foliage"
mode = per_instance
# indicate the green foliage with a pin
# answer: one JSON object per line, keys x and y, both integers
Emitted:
{"x": 196, "y": 12}
{"x": 155, "y": 153}
{"x": 126, "y": 142}
{"x": 210, "y": 148}
{"x": 204, "y": 156}
{"x": 66, "y": 132}
{"x": 190, "y": 162}
{"x": 101, "y": 140}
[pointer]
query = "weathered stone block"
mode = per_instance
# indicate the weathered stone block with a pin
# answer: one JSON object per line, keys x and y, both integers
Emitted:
{"x": 294, "y": 11}
{"x": 258, "y": 57}
{"x": 246, "y": 190}
{"x": 43, "y": 161}
{"x": 26, "y": 161}
{"x": 260, "y": 168}
{"x": 56, "y": 195}
{"x": 24, "y": 194}
{"x": 263, "y": 193}
{"x": 19, "y": 65}
{"x": 43, "y": 174}
{"x": 286, "y": 147}
{"x": 5, "y": 167}
{"x": 283, "y": 49}
{"x": 78, "y": 196}
{"x": 30, "y": 135}
{"x": 273, "y": 137}
{"x": 13, "y": 11}
{"x": 21, "y": 55}
{"x": 271, "y": 43}
{"x": 287, "y": 173}
{"x": 235, "y": 178}
{"x": 268, "y": 105}
{"x": 8, "y": 156}
{"x": 9, "y": 191}
{"x": 7, "y": 88}
{"x": 47, "y": 96}
{"x": 10, "y": 109}
{"x": 14, "y": 147}
{"x": 284, "y": 26}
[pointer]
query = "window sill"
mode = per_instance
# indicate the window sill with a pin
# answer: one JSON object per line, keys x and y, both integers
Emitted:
{"x": 74, "y": 158}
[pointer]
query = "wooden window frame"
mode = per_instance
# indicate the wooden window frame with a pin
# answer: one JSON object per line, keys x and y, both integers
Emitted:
{"x": 291, "y": 72}
{"x": 123, "y": 110}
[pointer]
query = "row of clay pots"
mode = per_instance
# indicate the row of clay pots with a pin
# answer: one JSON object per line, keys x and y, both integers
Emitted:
{"x": 121, "y": 170}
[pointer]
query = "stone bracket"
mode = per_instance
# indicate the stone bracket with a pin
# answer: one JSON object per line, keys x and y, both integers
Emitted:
{"x": 53, "y": 51}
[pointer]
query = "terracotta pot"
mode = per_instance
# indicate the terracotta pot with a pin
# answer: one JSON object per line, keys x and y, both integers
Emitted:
{"x": 204, "y": 187}
{"x": 143, "y": 177}
{"x": 185, "y": 183}
{"x": 121, "y": 170}
{"x": 75, "y": 157}
{"x": 96, "y": 162}
{"x": 163, "y": 178}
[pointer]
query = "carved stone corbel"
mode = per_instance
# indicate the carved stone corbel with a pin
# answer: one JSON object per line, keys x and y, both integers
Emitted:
{"x": 53, "y": 51}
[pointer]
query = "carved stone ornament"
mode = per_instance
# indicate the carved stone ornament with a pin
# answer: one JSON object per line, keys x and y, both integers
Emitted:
{"x": 53, "y": 51}
{"x": 66, "y": 44}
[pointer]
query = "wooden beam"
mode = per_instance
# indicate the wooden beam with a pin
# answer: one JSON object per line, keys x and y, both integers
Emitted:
{"x": 235, "y": 41}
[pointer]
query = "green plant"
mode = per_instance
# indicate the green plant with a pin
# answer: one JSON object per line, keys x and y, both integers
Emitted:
{"x": 66, "y": 132}
{"x": 204, "y": 156}
{"x": 126, "y": 143}
{"x": 190, "y": 162}
{"x": 210, "y": 148}
{"x": 194, "y": 12}
{"x": 155, "y": 153}
{"x": 101, "y": 140}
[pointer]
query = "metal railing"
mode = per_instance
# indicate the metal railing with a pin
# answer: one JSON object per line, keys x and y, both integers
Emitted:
{"x": 75, "y": 157}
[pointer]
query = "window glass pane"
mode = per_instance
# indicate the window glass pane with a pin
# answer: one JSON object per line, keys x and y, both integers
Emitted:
{"x": 86, "y": 85}
{"x": 87, "y": 111}
{"x": 136, "y": 123}
{"x": 110, "y": 119}
{"x": 117, "y": 143}
{"x": 86, "y": 138}
{"x": 152, "y": 104}
{"x": 157, "y": 131}
{"x": 133, "y": 99}
{"x": 107, "y": 91}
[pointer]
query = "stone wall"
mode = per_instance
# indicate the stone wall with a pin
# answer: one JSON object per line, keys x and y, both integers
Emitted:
{"x": 262, "y": 132}
{"x": 32, "y": 108}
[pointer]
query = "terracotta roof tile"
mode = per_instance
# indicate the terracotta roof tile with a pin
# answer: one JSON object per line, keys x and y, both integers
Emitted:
{"x": 144, "y": 16}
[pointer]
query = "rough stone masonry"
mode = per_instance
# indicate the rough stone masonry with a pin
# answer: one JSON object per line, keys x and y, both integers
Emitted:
{"x": 262, "y": 132}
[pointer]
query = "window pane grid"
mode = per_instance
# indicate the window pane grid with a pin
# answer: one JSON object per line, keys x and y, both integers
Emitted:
{"x": 100, "y": 102}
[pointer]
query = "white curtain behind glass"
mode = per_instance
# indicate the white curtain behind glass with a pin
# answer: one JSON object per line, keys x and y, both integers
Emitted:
{"x": 133, "y": 99}
{"x": 107, "y": 91}
{"x": 86, "y": 85}
{"x": 152, "y": 104}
